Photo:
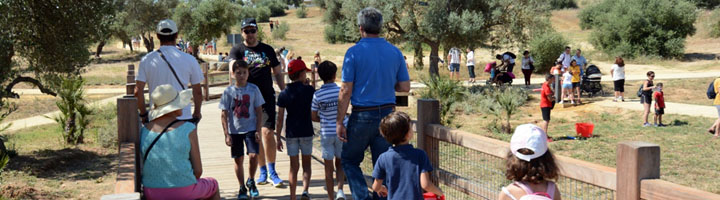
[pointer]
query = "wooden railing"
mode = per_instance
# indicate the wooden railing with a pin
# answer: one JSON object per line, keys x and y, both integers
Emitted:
{"x": 637, "y": 175}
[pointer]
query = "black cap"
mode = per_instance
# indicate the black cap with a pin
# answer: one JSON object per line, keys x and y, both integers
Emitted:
{"x": 249, "y": 22}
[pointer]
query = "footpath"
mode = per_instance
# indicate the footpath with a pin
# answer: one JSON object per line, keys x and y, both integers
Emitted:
{"x": 671, "y": 108}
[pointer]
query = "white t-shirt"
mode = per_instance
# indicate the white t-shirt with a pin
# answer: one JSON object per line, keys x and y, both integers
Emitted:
{"x": 454, "y": 56}
{"x": 618, "y": 72}
{"x": 567, "y": 78}
{"x": 470, "y": 58}
{"x": 565, "y": 59}
{"x": 154, "y": 71}
{"x": 526, "y": 62}
{"x": 508, "y": 58}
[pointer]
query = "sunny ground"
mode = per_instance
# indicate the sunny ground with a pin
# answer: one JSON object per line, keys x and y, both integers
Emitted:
{"x": 45, "y": 168}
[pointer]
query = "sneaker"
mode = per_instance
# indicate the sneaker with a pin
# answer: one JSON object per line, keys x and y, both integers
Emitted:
{"x": 661, "y": 125}
{"x": 262, "y": 179}
{"x": 276, "y": 181}
{"x": 340, "y": 195}
{"x": 253, "y": 189}
{"x": 646, "y": 124}
{"x": 655, "y": 125}
{"x": 305, "y": 196}
{"x": 615, "y": 100}
{"x": 242, "y": 194}
{"x": 562, "y": 102}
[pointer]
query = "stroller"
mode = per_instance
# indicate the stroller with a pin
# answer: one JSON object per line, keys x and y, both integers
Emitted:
{"x": 591, "y": 81}
{"x": 503, "y": 77}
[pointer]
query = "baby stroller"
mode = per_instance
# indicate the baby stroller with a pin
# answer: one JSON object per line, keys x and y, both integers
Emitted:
{"x": 502, "y": 77}
{"x": 591, "y": 81}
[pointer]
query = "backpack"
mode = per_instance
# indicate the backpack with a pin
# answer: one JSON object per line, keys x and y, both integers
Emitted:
{"x": 530, "y": 195}
{"x": 640, "y": 91}
{"x": 512, "y": 55}
{"x": 711, "y": 91}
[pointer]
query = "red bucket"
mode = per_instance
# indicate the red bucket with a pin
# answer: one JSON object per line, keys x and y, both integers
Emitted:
{"x": 584, "y": 129}
{"x": 432, "y": 196}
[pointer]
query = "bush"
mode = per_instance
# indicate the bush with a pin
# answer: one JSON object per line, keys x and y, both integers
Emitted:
{"x": 280, "y": 30}
{"x": 105, "y": 125}
{"x": 715, "y": 23}
{"x": 445, "y": 90}
{"x": 74, "y": 113}
{"x": 562, "y": 4}
{"x": 320, "y": 3}
{"x": 633, "y": 28}
{"x": 545, "y": 49}
{"x": 301, "y": 12}
{"x": 500, "y": 102}
{"x": 707, "y": 4}
{"x": 277, "y": 7}
{"x": 5, "y": 153}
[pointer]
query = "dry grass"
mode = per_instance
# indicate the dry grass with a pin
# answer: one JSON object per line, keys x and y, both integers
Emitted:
{"x": 34, "y": 105}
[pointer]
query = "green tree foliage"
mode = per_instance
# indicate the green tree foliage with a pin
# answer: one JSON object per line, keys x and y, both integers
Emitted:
{"x": 5, "y": 153}
{"x": 458, "y": 23}
{"x": 447, "y": 91}
{"x": 41, "y": 40}
{"x": 545, "y": 49}
{"x": 143, "y": 17}
{"x": 74, "y": 113}
{"x": 707, "y": 4}
{"x": 296, "y": 3}
{"x": 202, "y": 21}
{"x": 277, "y": 7}
{"x": 280, "y": 30}
{"x": 642, "y": 27}
{"x": 301, "y": 12}
{"x": 562, "y": 4}
{"x": 261, "y": 14}
{"x": 319, "y": 3}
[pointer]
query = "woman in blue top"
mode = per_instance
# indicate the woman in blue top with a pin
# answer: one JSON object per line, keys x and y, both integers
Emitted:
{"x": 172, "y": 166}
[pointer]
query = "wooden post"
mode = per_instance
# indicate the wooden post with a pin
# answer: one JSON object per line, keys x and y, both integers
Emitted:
{"x": 635, "y": 161}
{"x": 206, "y": 87}
{"x": 312, "y": 76}
{"x": 130, "y": 84}
{"x": 428, "y": 112}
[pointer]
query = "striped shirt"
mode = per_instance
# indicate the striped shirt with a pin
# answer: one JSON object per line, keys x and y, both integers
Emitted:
{"x": 325, "y": 101}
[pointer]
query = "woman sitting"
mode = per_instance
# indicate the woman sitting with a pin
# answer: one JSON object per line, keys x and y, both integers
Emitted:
{"x": 172, "y": 166}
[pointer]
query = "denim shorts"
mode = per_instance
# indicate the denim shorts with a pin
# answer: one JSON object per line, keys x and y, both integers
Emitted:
{"x": 567, "y": 85}
{"x": 299, "y": 144}
{"x": 332, "y": 147}
{"x": 455, "y": 67}
{"x": 240, "y": 141}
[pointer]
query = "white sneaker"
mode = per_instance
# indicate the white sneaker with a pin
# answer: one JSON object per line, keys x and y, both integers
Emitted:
{"x": 340, "y": 195}
{"x": 562, "y": 102}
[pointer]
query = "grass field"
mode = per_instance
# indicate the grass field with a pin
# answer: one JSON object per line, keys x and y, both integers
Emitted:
{"x": 688, "y": 91}
{"x": 47, "y": 168}
{"x": 33, "y": 105}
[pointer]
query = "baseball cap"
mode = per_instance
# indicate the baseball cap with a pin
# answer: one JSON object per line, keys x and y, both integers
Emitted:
{"x": 528, "y": 136}
{"x": 166, "y": 27}
{"x": 249, "y": 22}
{"x": 296, "y": 66}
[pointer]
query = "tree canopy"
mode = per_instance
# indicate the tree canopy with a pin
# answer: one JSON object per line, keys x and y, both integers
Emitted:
{"x": 202, "y": 21}
{"x": 447, "y": 23}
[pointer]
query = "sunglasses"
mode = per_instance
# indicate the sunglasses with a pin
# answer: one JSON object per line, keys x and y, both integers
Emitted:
{"x": 250, "y": 31}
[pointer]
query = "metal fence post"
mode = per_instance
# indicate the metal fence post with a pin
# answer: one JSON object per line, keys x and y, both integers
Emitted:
{"x": 635, "y": 161}
{"x": 428, "y": 112}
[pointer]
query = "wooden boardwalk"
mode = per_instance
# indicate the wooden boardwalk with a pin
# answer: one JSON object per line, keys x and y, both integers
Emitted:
{"x": 217, "y": 163}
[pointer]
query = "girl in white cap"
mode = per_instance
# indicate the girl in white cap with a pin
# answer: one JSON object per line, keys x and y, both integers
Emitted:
{"x": 531, "y": 166}
{"x": 170, "y": 151}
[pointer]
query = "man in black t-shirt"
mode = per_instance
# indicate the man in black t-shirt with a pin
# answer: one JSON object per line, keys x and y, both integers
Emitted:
{"x": 263, "y": 65}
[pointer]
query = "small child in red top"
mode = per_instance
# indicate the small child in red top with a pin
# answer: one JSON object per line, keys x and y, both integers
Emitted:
{"x": 659, "y": 105}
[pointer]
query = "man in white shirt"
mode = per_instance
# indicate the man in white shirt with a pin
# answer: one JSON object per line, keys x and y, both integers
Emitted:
{"x": 168, "y": 65}
{"x": 454, "y": 58}
{"x": 565, "y": 58}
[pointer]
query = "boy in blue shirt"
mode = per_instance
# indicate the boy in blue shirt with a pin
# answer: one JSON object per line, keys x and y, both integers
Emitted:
{"x": 296, "y": 99}
{"x": 324, "y": 110}
{"x": 240, "y": 104}
{"x": 405, "y": 170}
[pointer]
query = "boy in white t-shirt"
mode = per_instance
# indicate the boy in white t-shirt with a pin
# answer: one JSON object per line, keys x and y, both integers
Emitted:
{"x": 567, "y": 87}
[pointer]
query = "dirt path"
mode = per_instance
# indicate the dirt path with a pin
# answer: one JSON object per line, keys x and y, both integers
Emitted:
{"x": 44, "y": 119}
{"x": 671, "y": 108}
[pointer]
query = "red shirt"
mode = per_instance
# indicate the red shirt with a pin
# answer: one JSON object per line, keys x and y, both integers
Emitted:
{"x": 544, "y": 101}
{"x": 659, "y": 100}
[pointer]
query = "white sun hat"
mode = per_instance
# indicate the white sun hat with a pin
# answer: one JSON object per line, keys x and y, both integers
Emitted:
{"x": 166, "y": 100}
{"x": 528, "y": 136}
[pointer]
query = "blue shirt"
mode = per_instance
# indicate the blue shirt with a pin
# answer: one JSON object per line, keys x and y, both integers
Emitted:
{"x": 581, "y": 61}
{"x": 374, "y": 66}
{"x": 240, "y": 102}
{"x": 296, "y": 99}
{"x": 325, "y": 102}
{"x": 168, "y": 163}
{"x": 400, "y": 167}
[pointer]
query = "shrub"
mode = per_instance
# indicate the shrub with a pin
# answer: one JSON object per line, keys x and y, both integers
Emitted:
{"x": 301, "y": 12}
{"x": 333, "y": 33}
{"x": 105, "y": 125}
{"x": 320, "y": 3}
{"x": 277, "y": 7}
{"x": 545, "y": 49}
{"x": 707, "y": 4}
{"x": 280, "y": 31}
{"x": 633, "y": 28}
{"x": 715, "y": 23}
{"x": 500, "y": 102}
{"x": 5, "y": 153}
{"x": 562, "y": 4}
{"x": 74, "y": 113}
{"x": 445, "y": 90}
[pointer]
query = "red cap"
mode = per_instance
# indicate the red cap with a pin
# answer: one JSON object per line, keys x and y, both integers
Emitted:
{"x": 296, "y": 66}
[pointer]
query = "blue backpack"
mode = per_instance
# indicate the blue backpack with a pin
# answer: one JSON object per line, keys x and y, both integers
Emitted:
{"x": 711, "y": 91}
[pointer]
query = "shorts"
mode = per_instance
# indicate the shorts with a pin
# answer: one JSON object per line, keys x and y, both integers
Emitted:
{"x": 269, "y": 114}
{"x": 236, "y": 149}
{"x": 645, "y": 99}
{"x": 567, "y": 86}
{"x": 575, "y": 84}
{"x": 718, "y": 109}
{"x": 546, "y": 113}
{"x": 455, "y": 67}
{"x": 659, "y": 111}
{"x": 203, "y": 189}
{"x": 299, "y": 144}
{"x": 619, "y": 85}
{"x": 332, "y": 147}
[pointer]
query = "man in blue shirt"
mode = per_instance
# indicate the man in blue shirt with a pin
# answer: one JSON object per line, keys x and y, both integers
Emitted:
{"x": 373, "y": 70}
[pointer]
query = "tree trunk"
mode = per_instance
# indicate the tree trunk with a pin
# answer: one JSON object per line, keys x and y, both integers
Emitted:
{"x": 10, "y": 94}
{"x": 98, "y": 51}
{"x": 434, "y": 59}
{"x": 148, "y": 45}
{"x": 418, "y": 56}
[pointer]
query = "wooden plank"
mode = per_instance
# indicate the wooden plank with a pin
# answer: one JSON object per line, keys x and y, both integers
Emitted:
{"x": 657, "y": 189}
{"x": 587, "y": 172}
{"x": 218, "y": 73}
{"x": 125, "y": 181}
{"x": 218, "y": 84}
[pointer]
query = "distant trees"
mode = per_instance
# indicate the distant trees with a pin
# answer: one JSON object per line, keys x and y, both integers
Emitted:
{"x": 545, "y": 49}
{"x": 204, "y": 20}
{"x": 641, "y": 27}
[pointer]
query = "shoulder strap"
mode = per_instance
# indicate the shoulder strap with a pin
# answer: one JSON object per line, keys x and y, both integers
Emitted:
{"x": 551, "y": 189}
{"x": 524, "y": 187}
{"x": 171, "y": 69}
{"x": 507, "y": 192}
{"x": 156, "y": 139}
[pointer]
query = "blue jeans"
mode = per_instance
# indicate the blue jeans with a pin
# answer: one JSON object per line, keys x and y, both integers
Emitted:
{"x": 362, "y": 131}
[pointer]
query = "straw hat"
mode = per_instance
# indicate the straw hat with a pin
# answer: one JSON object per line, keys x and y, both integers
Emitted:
{"x": 166, "y": 100}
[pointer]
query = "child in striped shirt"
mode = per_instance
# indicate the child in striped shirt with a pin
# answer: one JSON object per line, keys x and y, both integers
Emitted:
{"x": 324, "y": 110}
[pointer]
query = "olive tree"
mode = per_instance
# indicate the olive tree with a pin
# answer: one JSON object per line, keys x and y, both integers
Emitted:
{"x": 203, "y": 21}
